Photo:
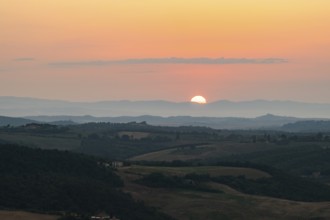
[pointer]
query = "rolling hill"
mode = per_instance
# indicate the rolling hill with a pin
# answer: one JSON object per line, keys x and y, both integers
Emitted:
{"x": 12, "y": 121}
{"x": 263, "y": 122}
{"x": 18, "y": 106}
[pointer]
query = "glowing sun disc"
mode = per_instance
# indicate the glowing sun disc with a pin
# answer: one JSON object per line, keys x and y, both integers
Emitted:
{"x": 198, "y": 99}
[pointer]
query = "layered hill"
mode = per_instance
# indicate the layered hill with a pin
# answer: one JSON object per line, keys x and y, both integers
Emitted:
{"x": 17, "y": 106}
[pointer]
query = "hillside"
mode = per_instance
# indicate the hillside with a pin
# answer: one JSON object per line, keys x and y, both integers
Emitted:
{"x": 20, "y": 215}
{"x": 13, "y": 121}
{"x": 171, "y": 168}
{"x": 309, "y": 160}
{"x": 211, "y": 200}
{"x": 307, "y": 126}
{"x": 54, "y": 181}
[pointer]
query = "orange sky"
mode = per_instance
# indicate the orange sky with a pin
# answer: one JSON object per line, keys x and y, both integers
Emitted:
{"x": 36, "y": 34}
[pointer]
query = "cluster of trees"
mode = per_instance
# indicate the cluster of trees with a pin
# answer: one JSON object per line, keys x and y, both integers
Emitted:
{"x": 280, "y": 185}
{"x": 301, "y": 160}
{"x": 158, "y": 179}
{"x": 119, "y": 149}
{"x": 36, "y": 128}
{"x": 140, "y": 127}
{"x": 52, "y": 181}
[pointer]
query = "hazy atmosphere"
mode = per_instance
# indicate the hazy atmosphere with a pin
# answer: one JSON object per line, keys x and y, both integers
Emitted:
{"x": 165, "y": 50}
{"x": 164, "y": 109}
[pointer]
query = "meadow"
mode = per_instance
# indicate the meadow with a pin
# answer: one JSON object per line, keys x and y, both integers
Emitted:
{"x": 210, "y": 170}
{"x": 188, "y": 204}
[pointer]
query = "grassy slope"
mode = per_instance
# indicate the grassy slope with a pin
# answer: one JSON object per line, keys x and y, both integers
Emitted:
{"x": 134, "y": 135}
{"x": 42, "y": 141}
{"x": 211, "y": 170}
{"x": 20, "y": 215}
{"x": 206, "y": 151}
{"x": 194, "y": 205}
{"x": 52, "y": 181}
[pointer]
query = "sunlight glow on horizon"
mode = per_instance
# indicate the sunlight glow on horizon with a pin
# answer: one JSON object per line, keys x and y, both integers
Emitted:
{"x": 198, "y": 99}
{"x": 87, "y": 31}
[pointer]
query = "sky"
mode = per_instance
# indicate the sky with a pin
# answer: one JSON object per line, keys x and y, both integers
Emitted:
{"x": 92, "y": 50}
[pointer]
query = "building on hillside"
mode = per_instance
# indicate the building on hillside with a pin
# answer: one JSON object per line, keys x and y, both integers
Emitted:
{"x": 117, "y": 164}
{"x": 103, "y": 216}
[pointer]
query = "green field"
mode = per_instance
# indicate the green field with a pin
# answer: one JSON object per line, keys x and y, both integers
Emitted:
{"x": 134, "y": 135}
{"x": 211, "y": 170}
{"x": 194, "y": 205}
{"x": 204, "y": 152}
{"x": 42, "y": 141}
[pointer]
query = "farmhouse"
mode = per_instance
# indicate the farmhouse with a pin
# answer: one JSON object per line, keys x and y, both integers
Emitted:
{"x": 102, "y": 216}
{"x": 116, "y": 164}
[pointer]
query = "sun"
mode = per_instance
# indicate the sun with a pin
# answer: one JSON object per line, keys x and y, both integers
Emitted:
{"x": 198, "y": 99}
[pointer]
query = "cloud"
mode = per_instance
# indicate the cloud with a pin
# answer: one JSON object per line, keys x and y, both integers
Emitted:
{"x": 172, "y": 60}
{"x": 24, "y": 59}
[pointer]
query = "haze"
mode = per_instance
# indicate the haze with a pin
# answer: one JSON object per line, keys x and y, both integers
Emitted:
{"x": 149, "y": 49}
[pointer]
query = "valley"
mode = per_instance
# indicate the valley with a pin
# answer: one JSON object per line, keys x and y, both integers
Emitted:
{"x": 227, "y": 174}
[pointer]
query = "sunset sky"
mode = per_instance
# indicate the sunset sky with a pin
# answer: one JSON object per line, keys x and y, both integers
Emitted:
{"x": 91, "y": 50}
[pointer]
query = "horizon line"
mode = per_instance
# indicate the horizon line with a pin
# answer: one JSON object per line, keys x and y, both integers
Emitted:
{"x": 161, "y": 100}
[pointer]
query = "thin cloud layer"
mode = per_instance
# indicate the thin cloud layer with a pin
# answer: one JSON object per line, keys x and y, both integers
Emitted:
{"x": 172, "y": 60}
{"x": 24, "y": 59}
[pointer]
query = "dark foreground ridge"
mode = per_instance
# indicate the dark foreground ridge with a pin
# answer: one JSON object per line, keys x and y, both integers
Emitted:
{"x": 64, "y": 182}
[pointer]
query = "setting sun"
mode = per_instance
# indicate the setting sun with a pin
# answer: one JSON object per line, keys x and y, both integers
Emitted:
{"x": 198, "y": 99}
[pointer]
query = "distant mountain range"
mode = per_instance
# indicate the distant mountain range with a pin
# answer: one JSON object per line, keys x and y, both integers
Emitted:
{"x": 219, "y": 115}
{"x": 18, "y": 107}
{"x": 266, "y": 121}
{"x": 307, "y": 126}
{"x": 4, "y": 121}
